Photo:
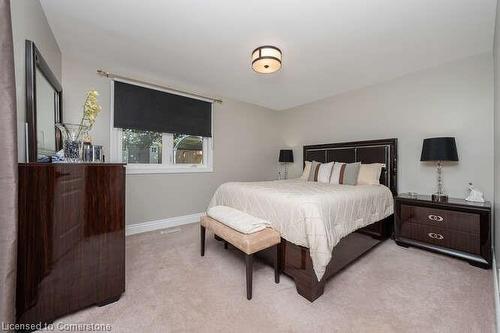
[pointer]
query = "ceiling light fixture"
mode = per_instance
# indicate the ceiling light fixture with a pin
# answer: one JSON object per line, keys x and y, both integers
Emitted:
{"x": 266, "y": 59}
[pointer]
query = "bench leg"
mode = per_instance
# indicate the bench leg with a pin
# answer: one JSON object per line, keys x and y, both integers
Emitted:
{"x": 276, "y": 264}
{"x": 249, "y": 266}
{"x": 202, "y": 239}
{"x": 225, "y": 245}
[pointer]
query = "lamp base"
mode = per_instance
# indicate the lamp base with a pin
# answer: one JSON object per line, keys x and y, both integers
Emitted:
{"x": 439, "y": 197}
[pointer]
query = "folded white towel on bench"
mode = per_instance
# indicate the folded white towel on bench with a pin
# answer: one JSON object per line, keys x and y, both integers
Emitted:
{"x": 237, "y": 220}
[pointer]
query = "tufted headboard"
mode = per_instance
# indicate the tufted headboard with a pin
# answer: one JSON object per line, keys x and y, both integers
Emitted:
{"x": 371, "y": 151}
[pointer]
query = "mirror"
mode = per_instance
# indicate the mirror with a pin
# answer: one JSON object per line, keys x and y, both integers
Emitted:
{"x": 45, "y": 118}
{"x": 43, "y": 107}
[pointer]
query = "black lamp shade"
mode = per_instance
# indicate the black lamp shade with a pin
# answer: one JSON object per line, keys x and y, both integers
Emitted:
{"x": 286, "y": 156}
{"x": 439, "y": 149}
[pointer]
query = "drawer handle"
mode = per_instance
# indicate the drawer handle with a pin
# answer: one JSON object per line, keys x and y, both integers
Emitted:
{"x": 435, "y": 236}
{"x": 435, "y": 218}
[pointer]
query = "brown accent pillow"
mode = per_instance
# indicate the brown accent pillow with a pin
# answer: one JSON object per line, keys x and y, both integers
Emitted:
{"x": 341, "y": 176}
{"x": 313, "y": 174}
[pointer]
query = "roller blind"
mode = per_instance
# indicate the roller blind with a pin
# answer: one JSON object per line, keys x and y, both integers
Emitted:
{"x": 141, "y": 108}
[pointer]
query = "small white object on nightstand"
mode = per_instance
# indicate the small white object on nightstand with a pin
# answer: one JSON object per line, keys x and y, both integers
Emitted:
{"x": 475, "y": 195}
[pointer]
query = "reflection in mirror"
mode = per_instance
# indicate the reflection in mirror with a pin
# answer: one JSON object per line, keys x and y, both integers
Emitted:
{"x": 45, "y": 115}
{"x": 43, "y": 107}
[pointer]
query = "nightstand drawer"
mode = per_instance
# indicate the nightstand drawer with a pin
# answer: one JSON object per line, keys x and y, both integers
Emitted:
{"x": 441, "y": 237}
{"x": 441, "y": 218}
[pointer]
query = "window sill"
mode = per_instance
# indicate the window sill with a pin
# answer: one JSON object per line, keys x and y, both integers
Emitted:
{"x": 144, "y": 170}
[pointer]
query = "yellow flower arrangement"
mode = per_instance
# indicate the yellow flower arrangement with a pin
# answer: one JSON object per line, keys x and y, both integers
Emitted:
{"x": 91, "y": 109}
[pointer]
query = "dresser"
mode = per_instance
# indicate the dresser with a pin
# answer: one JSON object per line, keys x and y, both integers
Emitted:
{"x": 71, "y": 238}
{"x": 457, "y": 227}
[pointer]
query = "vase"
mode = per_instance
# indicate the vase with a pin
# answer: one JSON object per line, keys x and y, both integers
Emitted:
{"x": 72, "y": 141}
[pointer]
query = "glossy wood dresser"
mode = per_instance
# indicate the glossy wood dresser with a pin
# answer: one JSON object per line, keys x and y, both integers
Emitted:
{"x": 457, "y": 227}
{"x": 71, "y": 238}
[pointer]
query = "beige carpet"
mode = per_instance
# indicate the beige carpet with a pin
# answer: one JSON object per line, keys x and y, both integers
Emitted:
{"x": 170, "y": 288}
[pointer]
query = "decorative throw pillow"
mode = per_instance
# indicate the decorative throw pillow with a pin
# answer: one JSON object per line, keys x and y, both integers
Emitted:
{"x": 307, "y": 170}
{"x": 337, "y": 167}
{"x": 313, "y": 175}
{"x": 350, "y": 174}
{"x": 369, "y": 174}
{"x": 345, "y": 173}
{"x": 324, "y": 172}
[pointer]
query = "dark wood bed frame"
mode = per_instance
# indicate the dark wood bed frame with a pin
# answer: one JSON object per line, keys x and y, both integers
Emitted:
{"x": 295, "y": 260}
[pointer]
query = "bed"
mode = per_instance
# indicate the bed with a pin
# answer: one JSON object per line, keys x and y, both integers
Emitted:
{"x": 324, "y": 227}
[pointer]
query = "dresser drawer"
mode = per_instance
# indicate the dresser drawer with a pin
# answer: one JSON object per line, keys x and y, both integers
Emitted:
{"x": 441, "y": 218}
{"x": 452, "y": 239}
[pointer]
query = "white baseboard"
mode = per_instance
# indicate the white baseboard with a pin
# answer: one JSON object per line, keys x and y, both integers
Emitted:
{"x": 162, "y": 224}
{"x": 497, "y": 296}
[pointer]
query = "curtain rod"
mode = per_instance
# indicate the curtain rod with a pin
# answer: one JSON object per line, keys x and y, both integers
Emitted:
{"x": 116, "y": 76}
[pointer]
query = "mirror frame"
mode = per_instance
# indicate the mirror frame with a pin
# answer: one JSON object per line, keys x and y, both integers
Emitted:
{"x": 35, "y": 60}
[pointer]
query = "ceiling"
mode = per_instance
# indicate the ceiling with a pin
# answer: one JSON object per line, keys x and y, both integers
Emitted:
{"x": 329, "y": 46}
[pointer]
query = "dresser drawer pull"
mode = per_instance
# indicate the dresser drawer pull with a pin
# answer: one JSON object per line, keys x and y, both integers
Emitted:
{"x": 435, "y": 236}
{"x": 436, "y": 218}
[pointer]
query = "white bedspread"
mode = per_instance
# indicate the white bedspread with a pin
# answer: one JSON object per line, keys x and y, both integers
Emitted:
{"x": 310, "y": 214}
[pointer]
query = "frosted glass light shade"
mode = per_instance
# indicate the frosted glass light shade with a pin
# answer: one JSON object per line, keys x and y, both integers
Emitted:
{"x": 266, "y": 59}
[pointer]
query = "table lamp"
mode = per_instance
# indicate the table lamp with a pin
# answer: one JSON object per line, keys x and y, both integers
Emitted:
{"x": 286, "y": 156}
{"x": 439, "y": 150}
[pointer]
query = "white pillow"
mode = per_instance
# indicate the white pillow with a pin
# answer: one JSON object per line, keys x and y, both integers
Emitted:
{"x": 307, "y": 170}
{"x": 324, "y": 173}
{"x": 369, "y": 174}
{"x": 337, "y": 167}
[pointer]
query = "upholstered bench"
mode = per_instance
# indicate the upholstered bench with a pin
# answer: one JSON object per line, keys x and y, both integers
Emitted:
{"x": 247, "y": 243}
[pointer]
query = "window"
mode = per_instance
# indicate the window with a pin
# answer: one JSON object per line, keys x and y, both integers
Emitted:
{"x": 188, "y": 149}
{"x": 150, "y": 151}
{"x": 141, "y": 147}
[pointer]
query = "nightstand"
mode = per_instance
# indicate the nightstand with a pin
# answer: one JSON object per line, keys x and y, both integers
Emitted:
{"x": 457, "y": 227}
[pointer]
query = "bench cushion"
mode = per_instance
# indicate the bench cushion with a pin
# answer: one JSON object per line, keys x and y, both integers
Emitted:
{"x": 248, "y": 243}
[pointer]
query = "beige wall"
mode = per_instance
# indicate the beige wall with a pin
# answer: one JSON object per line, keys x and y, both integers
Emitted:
{"x": 246, "y": 145}
{"x": 454, "y": 99}
{"x": 29, "y": 22}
